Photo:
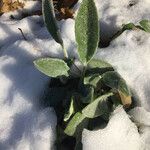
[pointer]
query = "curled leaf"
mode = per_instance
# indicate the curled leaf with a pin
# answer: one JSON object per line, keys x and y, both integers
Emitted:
{"x": 70, "y": 111}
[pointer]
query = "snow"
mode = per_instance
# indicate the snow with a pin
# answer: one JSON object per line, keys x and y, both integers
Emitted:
{"x": 25, "y": 124}
{"x": 120, "y": 133}
{"x": 142, "y": 119}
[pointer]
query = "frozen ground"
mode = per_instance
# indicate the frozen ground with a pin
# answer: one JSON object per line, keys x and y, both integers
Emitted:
{"x": 25, "y": 124}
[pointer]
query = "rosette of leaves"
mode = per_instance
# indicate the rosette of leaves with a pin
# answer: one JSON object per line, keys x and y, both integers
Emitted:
{"x": 84, "y": 101}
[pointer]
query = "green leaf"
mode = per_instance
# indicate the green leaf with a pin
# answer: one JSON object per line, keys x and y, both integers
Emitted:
{"x": 92, "y": 80}
{"x": 71, "y": 110}
{"x": 50, "y": 20}
{"x": 75, "y": 124}
{"x": 115, "y": 81}
{"x": 52, "y": 67}
{"x": 96, "y": 66}
{"x": 145, "y": 25}
{"x": 98, "y": 107}
{"x": 96, "y": 63}
{"x": 128, "y": 26}
{"x": 87, "y": 30}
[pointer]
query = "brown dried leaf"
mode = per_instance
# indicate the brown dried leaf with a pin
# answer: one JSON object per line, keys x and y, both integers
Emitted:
{"x": 65, "y": 13}
{"x": 63, "y": 8}
{"x": 126, "y": 100}
{"x": 10, "y": 5}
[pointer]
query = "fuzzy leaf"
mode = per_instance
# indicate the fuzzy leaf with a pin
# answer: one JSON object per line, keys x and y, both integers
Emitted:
{"x": 95, "y": 63}
{"x": 87, "y": 30}
{"x": 98, "y": 107}
{"x": 115, "y": 81}
{"x": 92, "y": 80}
{"x": 50, "y": 20}
{"x": 52, "y": 67}
{"x": 145, "y": 25}
{"x": 70, "y": 111}
{"x": 128, "y": 26}
{"x": 74, "y": 123}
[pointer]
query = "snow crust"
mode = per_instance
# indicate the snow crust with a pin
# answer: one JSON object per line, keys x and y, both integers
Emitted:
{"x": 25, "y": 124}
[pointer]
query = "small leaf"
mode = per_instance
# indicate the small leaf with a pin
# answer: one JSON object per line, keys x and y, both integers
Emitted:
{"x": 115, "y": 81}
{"x": 95, "y": 63}
{"x": 92, "y": 80}
{"x": 52, "y": 67}
{"x": 87, "y": 30}
{"x": 70, "y": 111}
{"x": 74, "y": 123}
{"x": 128, "y": 26}
{"x": 98, "y": 107}
{"x": 50, "y": 20}
{"x": 145, "y": 25}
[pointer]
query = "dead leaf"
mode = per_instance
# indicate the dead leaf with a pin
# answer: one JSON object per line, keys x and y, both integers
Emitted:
{"x": 63, "y": 8}
{"x": 126, "y": 100}
{"x": 10, "y": 5}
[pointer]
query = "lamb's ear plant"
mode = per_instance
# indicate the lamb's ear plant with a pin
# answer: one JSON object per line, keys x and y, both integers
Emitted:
{"x": 143, "y": 25}
{"x": 84, "y": 101}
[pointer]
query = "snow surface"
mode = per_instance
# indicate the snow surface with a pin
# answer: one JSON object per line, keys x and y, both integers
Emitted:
{"x": 120, "y": 134}
{"x": 25, "y": 124}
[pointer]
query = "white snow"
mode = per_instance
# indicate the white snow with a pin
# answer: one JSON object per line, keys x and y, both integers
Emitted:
{"x": 120, "y": 134}
{"x": 142, "y": 119}
{"x": 26, "y": 125}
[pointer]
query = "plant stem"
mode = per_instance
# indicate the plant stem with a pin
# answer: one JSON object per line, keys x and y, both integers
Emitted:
{"x": 83, "y": 73}
{"x": 65, "y": 52}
